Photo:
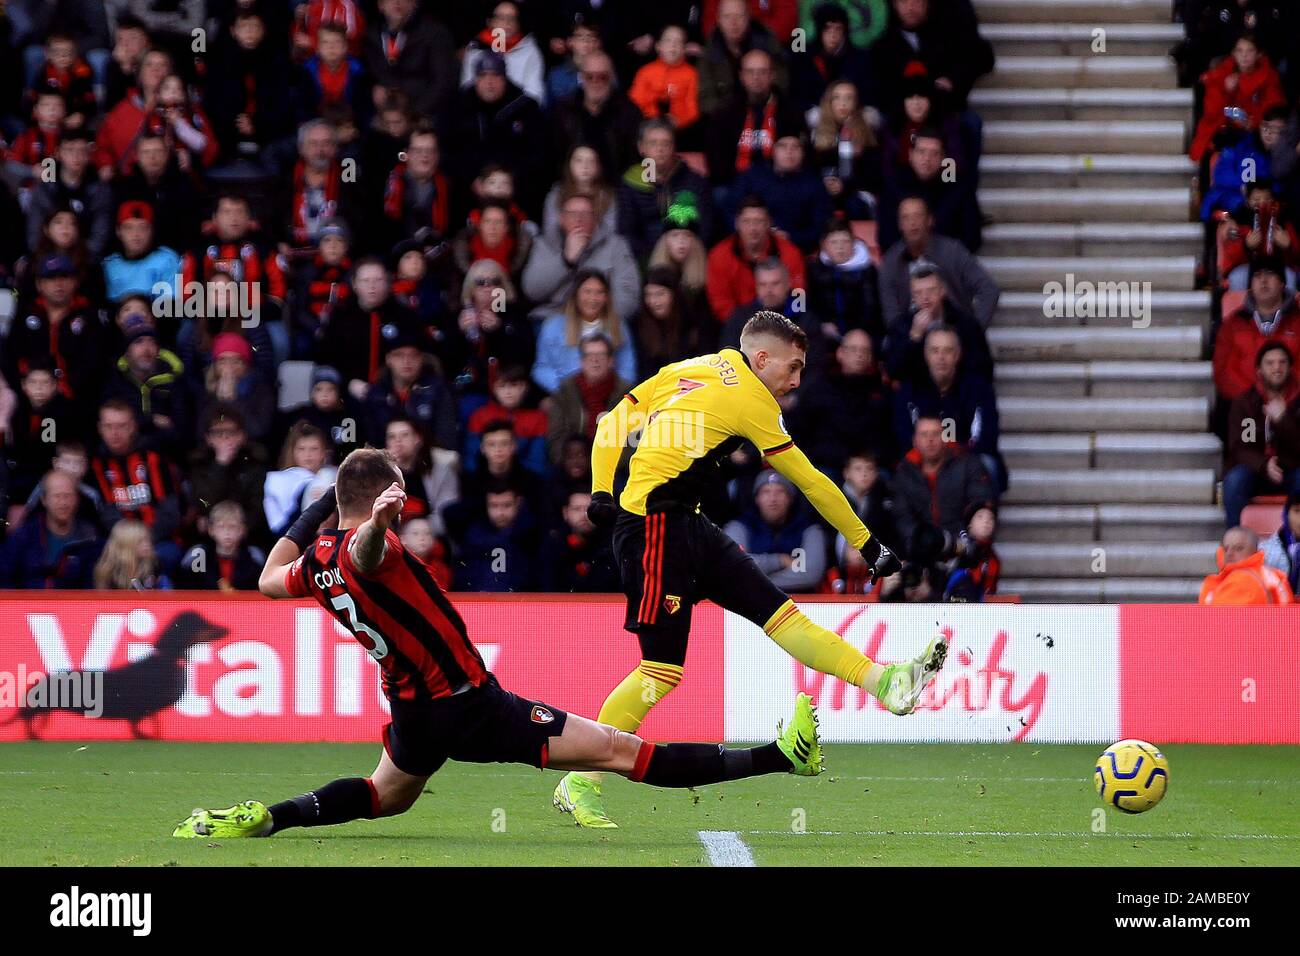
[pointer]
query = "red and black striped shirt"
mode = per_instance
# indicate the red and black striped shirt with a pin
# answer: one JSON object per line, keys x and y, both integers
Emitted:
{"x": 135, "y": 483}
{"x": 397, "y": 613}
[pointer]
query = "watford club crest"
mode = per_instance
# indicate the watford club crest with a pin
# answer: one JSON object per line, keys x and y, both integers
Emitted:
{"x": 672, "y": 603}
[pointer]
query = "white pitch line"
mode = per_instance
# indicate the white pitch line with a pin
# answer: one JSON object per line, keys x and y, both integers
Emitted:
{"x": 726, "y": 848}
{"x": 1037, "y": 834}
{"x": 992, "y": 777}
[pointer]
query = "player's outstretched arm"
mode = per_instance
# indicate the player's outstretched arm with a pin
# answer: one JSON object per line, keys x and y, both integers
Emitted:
{"x": 293, "y": 543}
{"x": 821, "y": 491}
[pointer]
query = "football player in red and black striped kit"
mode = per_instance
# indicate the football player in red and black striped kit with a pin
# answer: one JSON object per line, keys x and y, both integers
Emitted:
{"x": 445, "y": 703}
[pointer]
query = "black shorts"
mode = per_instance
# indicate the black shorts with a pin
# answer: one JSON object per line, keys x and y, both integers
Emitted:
{"x": 486, "y": 724}
{"x": 673, "y": 560}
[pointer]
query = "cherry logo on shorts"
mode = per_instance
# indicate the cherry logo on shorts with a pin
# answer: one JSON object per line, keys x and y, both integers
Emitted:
{"x": 541, "y": 715}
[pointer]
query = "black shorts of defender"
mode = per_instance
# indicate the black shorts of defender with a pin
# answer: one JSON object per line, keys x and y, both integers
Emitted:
{"x": 485, "y": 724}
{"x": 671, "y": 561}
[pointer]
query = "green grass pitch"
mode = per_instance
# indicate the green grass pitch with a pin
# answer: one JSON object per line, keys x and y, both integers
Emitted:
{"x": 113, "y": 804}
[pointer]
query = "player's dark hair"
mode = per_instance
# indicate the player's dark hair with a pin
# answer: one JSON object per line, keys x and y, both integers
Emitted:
{"x": 362, "y": 476}
{"x": 776, "y": 325}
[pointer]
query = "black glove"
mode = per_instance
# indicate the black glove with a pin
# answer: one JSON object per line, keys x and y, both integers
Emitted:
{"x": 303, "y": 531}
{"x": 880, "y": 559}
{"x": 603, "y": 510}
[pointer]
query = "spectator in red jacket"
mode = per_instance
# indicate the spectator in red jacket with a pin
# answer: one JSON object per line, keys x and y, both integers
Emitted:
{"x": 1269, "y": 314}
{"x": 1245, "y": 80}
{"x": 732, "y": 261}
{"x": 115, "y": 141}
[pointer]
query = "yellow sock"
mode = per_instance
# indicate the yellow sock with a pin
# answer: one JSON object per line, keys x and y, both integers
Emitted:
{"x": 820, "y": 649}
{"x": 628, "y": 704}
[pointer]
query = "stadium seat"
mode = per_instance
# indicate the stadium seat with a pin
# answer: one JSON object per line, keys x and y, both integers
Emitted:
{"x": 295, "y": 384}
{"x": 1263, "y": 514}
{"x": 697, "y": 163}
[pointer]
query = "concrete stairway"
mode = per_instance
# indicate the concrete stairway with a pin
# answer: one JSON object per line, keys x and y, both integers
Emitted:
{"x": 1104, "y": 409}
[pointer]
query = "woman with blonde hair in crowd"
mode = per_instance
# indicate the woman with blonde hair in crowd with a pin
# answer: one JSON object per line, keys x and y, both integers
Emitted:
{"x": 129, "y": 562}
{"x": 846, "y": 151}
{"x": 681, "y": 249}
{"x": 491, "y": 331}
{"x": 588, "y": 310}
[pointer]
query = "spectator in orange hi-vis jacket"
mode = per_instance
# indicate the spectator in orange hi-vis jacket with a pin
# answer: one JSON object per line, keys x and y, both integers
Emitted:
{"x": 1243, "y": 577}
{"x": 668, "y": 86}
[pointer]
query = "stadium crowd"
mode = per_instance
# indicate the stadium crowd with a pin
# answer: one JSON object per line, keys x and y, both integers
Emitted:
{"x": 244, "y": 237}
{"x": 1243, "y": 57}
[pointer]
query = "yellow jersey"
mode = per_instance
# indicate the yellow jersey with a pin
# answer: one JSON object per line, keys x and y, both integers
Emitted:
{"x": 681, "y": 424}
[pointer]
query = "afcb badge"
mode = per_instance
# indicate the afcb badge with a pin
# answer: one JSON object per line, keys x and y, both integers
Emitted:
{"x": 541, "y": 715}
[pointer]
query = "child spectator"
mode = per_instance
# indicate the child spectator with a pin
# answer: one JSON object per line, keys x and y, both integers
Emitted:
{"x": 142, "y": 266}
{"x": 224, "y": 560}
{"x": 231, "y": 380}
{"x": 1282, "y": 550}
{"x": 499, "y": 550}
{"x": 843, "y": 285}
{"x": 679, "y": 247}
{"x": 582, "y": 41}
{"x": 331, "y": 410}
{"x": 304, "y": 466}
{"x": 184, "y": 127}
{"x": 333, "y": 78}
{"x": 416, "y": 284}
{"x": 1259, "y": 226}
{"x": 40, "y": 141}
{"x": 507, "y": 404}
{"x": 66, "y": 73}
{"x": 430, "y": 473}
{"x": 320, "y": 283}
{"x": 975, "y": 568}
{"x": 313, "y": 15}
{"x": 1246, "y": 161}
{"x": 418, "y": 539}
{"x": 42, "y": 415}
{"x": 1246, "y": 82}
{"x": 578, "y": 557}
{"x": 129, "y": 561}
{"x": 669, "y": 86}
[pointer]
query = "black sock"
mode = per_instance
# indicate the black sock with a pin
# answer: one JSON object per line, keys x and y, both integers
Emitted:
{"x": 337, "y": 802}
{"x": 692, "y": 765}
